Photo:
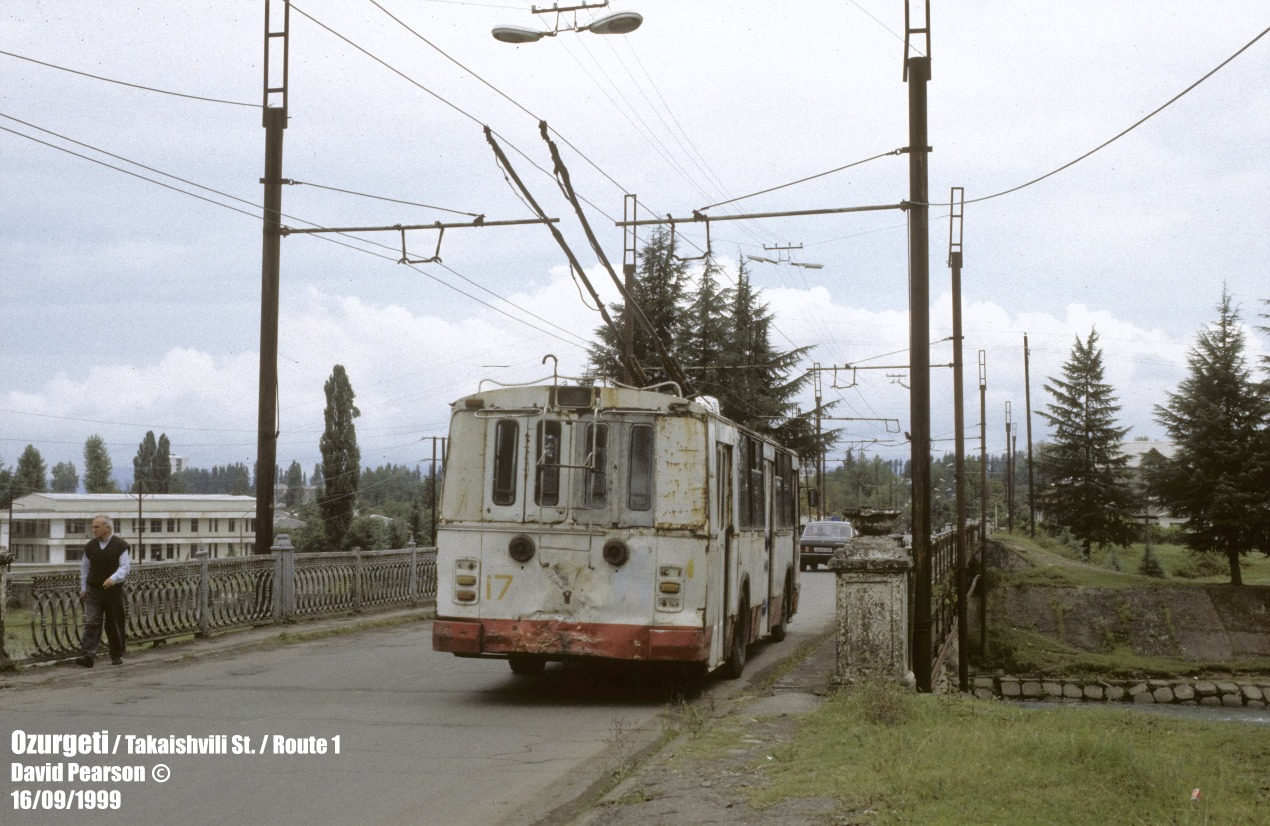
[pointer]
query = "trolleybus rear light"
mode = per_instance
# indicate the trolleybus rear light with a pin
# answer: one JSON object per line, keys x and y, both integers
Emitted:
{"x": 616, "y": 552}
{"x": 467, "y": 580}
{"x": 669, "y": 587}
{"x": 463, "y": 595}
{"x": 521, "y": 548}
{"x": 669, "y": 604}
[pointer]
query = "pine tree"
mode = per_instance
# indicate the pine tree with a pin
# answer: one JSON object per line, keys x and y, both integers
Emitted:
{"x": 659, "y": 292}
{"x": 31, "y": 476}
{"x": 98, "y": 468}
{"x": 1091, "y": 491}
{"x": 703, "y": 334}
{"x": 341, "y": 459}
{"x": 1218, "y": 421}
{"x": 65, "y": 478}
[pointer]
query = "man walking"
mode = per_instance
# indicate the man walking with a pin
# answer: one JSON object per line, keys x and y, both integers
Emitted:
{"x": 101, "y": 575}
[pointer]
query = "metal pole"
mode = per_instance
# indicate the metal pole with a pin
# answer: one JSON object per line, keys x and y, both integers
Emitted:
{"x": 433, "y": 516}
{"x": 275, "y": 122}
{"x": 1031, "y": 487}
{"x": 919, "y": 359}
{"x": 629, "y": 260}
{"x": 983, "y": 506}
{"x": 959, "y": 424}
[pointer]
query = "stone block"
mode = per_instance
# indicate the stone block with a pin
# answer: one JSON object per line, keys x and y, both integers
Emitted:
{"x": 1139, "y": 688}
{"x": 1115, "y": 693}
{"x": 1251, "y": 692}
{"x": 1210, "y": 700}
{"x": 1163, "y": 694}
{"x": 1256, "y": 703}
{"x": 1205, "y": 689}
{"x": 1071, "y": 691}
{"x": 1010, "y": 688}
{"x": 1183, "y": 693}
{"x": 985, "y": 682}
{"x": 1052, "y": 689}
{"x": 1032, "y": 690}
{"x": 1232, "y": 700}
{"x": 1143, "y": 697}
{"x": 1227, "y": 688}
{"x": 1093, "y": 692}
{"x": 984, "y": 694}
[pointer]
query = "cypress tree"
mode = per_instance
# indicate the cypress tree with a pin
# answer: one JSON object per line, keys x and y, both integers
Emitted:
{"x": 1086, "y": 467}
{"x": 341, "y": 459}
{"x": 98, "y": 467}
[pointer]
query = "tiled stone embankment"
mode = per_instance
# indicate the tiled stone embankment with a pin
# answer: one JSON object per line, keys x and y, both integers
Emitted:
{"x": 1182, "y": 692}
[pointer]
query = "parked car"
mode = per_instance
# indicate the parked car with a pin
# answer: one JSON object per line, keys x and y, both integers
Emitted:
{"x": 819, "y": 541}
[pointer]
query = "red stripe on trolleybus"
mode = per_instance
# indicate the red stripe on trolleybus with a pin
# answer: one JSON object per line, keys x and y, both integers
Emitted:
{"x": 558, "y": 638}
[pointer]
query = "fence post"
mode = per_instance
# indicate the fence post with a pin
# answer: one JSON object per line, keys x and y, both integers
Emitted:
{"x": 5, "y": 558}
{"x": 414, "y": 571}
{"x": 357, "y": 579}
{"x": 284, "y": 578}
{"x": 204, "y": 593}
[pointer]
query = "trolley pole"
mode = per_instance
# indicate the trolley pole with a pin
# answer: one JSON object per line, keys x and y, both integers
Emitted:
{"x": 918, "y": 71}
{"x": 275, "y": 121}
{"x": 957, "y": 200}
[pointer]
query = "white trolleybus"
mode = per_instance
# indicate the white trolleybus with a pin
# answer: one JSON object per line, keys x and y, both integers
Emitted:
{"x": 584, "y": 522}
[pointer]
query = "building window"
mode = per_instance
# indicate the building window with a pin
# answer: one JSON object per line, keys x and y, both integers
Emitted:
{"x": 231, "y": 525}
{"x": 193, "y": 526}
{"x": 213, "y": 525}
{"x": 74, "y": 553}
{"x": 171, "y": 551}
{"x": 156, "y": 526}
{"x": 156, "y": 551}
{"x": 173, "y": 526}
{"x": 31, "y": 553}
{"x": 77, "y": 527}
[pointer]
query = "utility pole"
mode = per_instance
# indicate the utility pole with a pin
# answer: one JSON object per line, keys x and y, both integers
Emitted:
{"x": 820, "y": 451}
{"x": 957, "y": 198}
{"x": 1031, "y": 487}
{"x": 983, "y": 505}
{"x": 275, "y": 121}
{"x": 630, "y": 254}
{"x": 917, "y": 75}
{"x": 1009, "y": 474}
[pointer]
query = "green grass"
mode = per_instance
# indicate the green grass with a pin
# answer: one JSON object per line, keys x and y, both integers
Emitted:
{"x": 933, "y": 759}
{"x": 1254, "y": 567}
{"x": 17, "y": 633}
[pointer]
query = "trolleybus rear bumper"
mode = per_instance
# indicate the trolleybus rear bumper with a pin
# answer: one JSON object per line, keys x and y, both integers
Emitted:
{"x": 559, "y": 639}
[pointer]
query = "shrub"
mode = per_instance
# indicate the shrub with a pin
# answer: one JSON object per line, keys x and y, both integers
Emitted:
{"x": 1199, "y": 565}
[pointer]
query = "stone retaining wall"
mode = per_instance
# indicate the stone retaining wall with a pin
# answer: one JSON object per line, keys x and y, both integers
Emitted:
{"x": 1178, "y": 692}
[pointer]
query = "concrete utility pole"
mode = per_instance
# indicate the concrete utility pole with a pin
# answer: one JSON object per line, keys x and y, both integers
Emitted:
{"x": 275, "y": 121}
{"x": 1031, "y": 487}
{"x": 1009, "y": 473}
{"x": 956, "y": 199}
{"x": 983, "y": 505}
{"x": 917, "y": 70}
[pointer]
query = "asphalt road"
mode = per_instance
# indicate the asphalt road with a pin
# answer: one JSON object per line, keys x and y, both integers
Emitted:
{"x": 423, "y": 738}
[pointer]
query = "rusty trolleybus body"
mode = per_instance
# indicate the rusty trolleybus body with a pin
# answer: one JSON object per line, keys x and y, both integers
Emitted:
{"x": 612, "y": 522}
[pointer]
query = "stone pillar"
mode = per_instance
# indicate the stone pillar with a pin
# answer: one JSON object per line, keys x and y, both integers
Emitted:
{"x": 872, "y": 610}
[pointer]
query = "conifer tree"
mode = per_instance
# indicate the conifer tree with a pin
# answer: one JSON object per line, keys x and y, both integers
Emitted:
{"x": 98, "y": 468}
{"x": 31, "y": 475}
{"x": 703, "y": 333}
{"x": 341, "y": 459}
{"x": 1087, "y": 468}
{"x": 1217, "y": 421}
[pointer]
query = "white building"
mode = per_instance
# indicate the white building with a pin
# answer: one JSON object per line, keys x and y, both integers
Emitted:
{"x": 51, "y": 528}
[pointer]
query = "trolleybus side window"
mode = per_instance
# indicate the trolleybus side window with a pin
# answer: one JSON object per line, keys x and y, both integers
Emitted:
{"x": 547, "y": 490}
{"x": 595, "y": 493}
{"x": 639, "y": 483}
{"x": 751, "y": 483}
{"x": 505, "y": 439}
{"x": 784, "y": 490}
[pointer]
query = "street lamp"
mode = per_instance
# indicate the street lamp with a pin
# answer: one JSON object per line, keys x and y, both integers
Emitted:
{"x": 622, "y": 22}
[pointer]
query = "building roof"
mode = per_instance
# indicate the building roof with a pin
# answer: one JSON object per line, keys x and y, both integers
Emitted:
{"x": 1136, "y": 450}
{"x": 91, "y": 503}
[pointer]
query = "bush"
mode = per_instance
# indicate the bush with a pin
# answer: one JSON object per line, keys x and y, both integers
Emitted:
{"x": 1199, "y": 565}
{"x": 1151, "y": 565}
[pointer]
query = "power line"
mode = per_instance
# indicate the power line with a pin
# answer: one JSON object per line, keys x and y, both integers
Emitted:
{"x": 1124, "y": 132}
{"x": 132, "y": 85}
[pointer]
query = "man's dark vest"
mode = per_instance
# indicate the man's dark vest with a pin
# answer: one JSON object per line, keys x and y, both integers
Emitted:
{"x": 103, "y": 562}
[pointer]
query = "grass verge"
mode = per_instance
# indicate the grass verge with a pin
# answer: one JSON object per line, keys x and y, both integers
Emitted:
{"x": 890, "y": 756}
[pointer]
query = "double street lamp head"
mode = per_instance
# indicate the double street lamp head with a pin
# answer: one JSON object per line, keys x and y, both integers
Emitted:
{"x": 622, "y": 22}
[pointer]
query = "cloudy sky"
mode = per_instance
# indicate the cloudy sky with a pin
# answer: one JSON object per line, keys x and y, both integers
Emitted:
{"x": 134, "y": 306}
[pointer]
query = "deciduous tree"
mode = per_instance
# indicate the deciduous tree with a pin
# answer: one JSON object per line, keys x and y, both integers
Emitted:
{"x": 65, "y": 478}
{"x": 31, "y": 476}
{"x": 1090, "y": 488}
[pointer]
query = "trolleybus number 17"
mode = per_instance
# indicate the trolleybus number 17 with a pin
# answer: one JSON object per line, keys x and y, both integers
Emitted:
{"x": 506, "y": 580}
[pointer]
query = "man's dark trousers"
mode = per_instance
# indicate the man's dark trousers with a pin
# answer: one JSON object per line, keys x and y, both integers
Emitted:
{"x": 104, "y": 608}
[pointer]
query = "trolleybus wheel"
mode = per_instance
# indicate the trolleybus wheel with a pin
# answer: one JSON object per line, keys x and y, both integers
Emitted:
{"x": 787, "y": 602}
{"x": 735, "y": 665}
{"x": 526, "y": 664}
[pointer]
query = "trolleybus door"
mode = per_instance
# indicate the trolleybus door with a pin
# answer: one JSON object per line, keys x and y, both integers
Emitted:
{"x": 727, "y": 533}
